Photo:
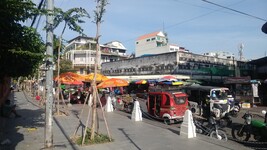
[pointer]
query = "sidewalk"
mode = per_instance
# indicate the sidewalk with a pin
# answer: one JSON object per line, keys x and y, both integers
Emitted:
{"x": 27, "y": 132}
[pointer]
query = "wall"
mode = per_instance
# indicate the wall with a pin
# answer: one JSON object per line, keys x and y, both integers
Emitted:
{"x": 156, "y": 64}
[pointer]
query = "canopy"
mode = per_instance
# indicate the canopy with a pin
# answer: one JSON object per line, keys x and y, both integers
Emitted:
{"x": 168, "y": 78}
{"x": 99, "y": 77}
{"x": 113, "y": 82}
{"x": 73, "y": 82}
{"x": 172, "y": 82}
{"x": 140, "y": 82}
{"x": 70, "y": 78}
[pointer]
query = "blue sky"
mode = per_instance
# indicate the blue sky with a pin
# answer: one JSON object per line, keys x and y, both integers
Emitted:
{"x": 196, "y": 25}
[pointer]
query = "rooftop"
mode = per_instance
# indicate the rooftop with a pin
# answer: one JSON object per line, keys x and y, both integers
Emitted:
{"x": 153, "y": 34}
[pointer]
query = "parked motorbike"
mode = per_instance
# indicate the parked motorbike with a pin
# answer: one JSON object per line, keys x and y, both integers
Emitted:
{"x": 221, "y": 111}
{"x": 234, "y": 106}
{"x": 128, "y": 107}
{"x": 251, "y": 127}
{"x": 211, "y": 129}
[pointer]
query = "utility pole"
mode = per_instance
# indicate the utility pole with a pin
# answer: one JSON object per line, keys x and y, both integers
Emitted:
{"x": 49, "y": 75}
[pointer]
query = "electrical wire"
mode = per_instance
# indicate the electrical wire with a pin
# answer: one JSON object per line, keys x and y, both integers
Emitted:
{"x": 39, "y": 7}
{"x": 234, "y": 10}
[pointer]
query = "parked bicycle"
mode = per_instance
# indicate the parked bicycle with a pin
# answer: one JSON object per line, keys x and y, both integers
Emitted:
{"x": 211, "y": 129}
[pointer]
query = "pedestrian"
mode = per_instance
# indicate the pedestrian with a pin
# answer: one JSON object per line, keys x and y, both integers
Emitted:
{"x": 103, "y": 99}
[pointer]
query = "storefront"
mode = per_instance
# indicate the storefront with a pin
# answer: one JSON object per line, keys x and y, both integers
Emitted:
{"x": 244, "y": 89}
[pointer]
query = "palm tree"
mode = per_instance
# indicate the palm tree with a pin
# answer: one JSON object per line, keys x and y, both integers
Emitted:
{"x": 71, "y": 18}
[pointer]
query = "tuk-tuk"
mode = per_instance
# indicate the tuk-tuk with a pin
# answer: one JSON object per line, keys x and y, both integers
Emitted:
{"x": 168, "y": 105}
{"x": 206, "y": 99}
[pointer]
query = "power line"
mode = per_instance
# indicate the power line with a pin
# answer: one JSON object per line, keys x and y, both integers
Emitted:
{"x": 234, "y": 10}
{"x": 39, "y": 7}
{"x": 190, "y": 19}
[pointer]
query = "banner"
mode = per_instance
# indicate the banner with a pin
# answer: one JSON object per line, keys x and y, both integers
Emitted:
{"x": 255, "y": 90}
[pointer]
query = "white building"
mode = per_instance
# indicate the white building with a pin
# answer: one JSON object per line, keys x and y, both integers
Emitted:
{"x": 154, "y": 43}
{"x": 82, "y": 52}
{"x": 220, "y": 54}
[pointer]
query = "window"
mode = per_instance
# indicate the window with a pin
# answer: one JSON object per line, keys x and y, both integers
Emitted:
{"x": 81, "y": 70}
{"x": 137, "y": 42}
{"x": 153, "y": 39}
{"x": 147, "y": 40}
{"x": 167, "y": 103}
{"x": 180, "y": 100}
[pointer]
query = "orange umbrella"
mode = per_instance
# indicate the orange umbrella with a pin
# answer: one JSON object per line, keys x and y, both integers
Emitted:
{"x": 74, "y": 82}
{"x": 113, "y": 82}
{"x": 69, "y": 78}
{"x": 99, "y": 77}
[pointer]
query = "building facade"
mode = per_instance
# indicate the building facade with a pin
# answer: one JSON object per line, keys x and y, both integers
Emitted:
{"x": 154, "y": 43}
{"x": 220, "y": 54}
{"x": 192, "y": 65}
{"x": 82, "y": 53}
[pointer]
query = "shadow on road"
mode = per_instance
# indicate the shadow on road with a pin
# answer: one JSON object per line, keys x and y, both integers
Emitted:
{"x": 13, "y": 129}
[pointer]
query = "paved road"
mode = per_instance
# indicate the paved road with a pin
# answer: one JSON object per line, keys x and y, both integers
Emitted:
{"x": 27, "y": 132}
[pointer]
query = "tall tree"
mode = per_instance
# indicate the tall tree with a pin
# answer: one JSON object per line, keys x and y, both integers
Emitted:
{"x": 99, "y": 12}
{"x": 70, "y": 18}
{"x": 21, "y": 47}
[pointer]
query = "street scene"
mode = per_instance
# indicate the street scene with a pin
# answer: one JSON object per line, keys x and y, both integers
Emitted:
{"x": 145, "y": 75}
{"x": 27, "y": 132}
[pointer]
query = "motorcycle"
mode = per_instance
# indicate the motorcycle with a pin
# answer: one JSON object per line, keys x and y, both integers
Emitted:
{"x": 128, "y": 107}
{"x": 222, "y": 113}
{"x": 254, "y": 127}
{"x": 234, "y": 106}
{"x": 211, "y": 129}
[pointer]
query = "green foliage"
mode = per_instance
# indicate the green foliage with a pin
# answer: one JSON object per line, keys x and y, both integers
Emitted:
{"x": 21, "y": 47}
{"x": 65, "y": 66}
{"x": 100, "y": 10}
{"x": 56, "y": 46}
{"x": 71, "y": 18}
{"x": 99, "y": 138}
{"x": 17, "y": 10}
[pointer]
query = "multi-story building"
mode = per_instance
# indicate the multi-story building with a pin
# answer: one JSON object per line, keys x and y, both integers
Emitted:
{"x": 82, "y": 52}
{"x": 154, "y": 43}
{"x": 221, "y": 54}
{"x": 178, "y": 63}
{"x": 160, "y": 57}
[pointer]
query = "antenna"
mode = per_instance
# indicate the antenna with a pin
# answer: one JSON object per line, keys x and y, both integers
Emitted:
{"x": 163, "y": 27}
{"x": 240, "y": 51}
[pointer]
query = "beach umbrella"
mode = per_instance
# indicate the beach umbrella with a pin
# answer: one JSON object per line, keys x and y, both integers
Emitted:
{"x": 99, "y": 77}
{"x": 140, "y": 82}
{"x": 171, "y": 82}
{"x": 74, "y": 82}
{"x": 168, "y": 78}
{"x": 113, "y": 82}
{"x": 69, "y": 78}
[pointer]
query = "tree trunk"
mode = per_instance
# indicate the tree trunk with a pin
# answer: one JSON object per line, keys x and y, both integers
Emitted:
{"x": 58, "y": 68}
